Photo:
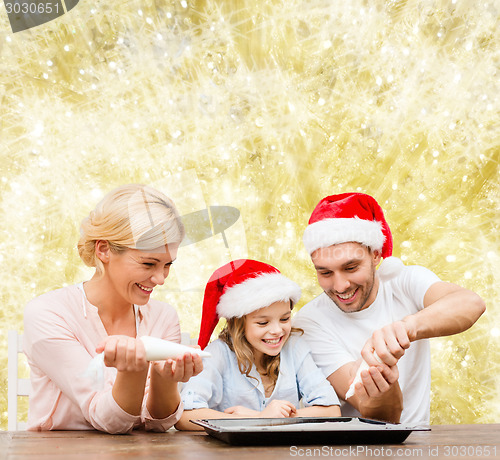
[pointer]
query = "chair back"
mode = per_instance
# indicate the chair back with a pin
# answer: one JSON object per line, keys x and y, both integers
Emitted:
{"x": 16, "y": 386}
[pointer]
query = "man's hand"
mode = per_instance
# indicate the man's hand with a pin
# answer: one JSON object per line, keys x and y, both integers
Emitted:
{"x": 389, "y": 343}
{"x": 375, "y": 382}
{"x": 378, "y": 394}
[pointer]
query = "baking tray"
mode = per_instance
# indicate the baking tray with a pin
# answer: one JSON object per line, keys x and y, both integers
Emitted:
{"x": 306, "y": 430}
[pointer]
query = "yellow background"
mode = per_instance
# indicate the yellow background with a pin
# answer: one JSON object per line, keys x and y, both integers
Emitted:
{"x": 266, "y": 106}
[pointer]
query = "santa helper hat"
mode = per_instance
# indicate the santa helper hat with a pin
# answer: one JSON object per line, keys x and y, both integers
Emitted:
{"x": 351, "y": 217}
{"x": 239, "y": 288}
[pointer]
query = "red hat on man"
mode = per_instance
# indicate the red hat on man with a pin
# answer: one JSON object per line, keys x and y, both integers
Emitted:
{"x": 239, "y": 288}
{"x": 352, "y": 217}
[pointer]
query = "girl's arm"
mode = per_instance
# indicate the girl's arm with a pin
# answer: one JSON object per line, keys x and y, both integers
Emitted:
{"x": 318, "y": 411}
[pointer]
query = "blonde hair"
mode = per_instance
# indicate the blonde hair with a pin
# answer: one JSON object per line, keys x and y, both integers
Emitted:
{"x": 233, "y": 334}
{"x": 131, "y": 216}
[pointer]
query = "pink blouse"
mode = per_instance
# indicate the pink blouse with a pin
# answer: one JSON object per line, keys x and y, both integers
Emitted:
{"x": 61, "y": 332}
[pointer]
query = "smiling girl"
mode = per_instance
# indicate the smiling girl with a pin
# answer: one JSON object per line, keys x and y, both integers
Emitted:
{"x": 260, "y": 366}
{"x": 131, "y": 239}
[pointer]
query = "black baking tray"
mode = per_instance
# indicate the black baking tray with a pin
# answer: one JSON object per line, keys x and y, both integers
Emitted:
{"x": 306, "y": 430}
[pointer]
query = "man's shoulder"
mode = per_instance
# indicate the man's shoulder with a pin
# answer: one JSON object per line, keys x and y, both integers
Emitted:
{"x": 412, "y": 275}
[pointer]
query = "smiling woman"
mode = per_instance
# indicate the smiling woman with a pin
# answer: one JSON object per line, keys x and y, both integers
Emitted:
{"x": 131, "y": 239}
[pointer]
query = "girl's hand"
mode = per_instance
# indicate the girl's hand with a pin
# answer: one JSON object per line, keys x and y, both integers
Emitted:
{"x": 125, "y": 353}
{"x": 179, "y": 369}
{"x": 242, "y": 411}
{"x": 279, "y": 409}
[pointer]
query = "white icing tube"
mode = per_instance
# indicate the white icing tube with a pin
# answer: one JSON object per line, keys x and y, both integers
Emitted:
{"x": 357, "y": 378}
{"x": 156, "y": 350}
{"x": 159, "y": 349}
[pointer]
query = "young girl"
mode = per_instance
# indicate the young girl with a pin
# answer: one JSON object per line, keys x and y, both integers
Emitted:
{"x": 260, "y": 366}
{"x": 131, "y": 239}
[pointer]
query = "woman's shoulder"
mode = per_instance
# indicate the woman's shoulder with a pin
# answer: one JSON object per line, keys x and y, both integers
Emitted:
{"x": 58, "y": 307}
{"x": 53, "y": 300}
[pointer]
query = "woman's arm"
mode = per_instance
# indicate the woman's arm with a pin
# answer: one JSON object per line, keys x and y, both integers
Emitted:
{"x": 128, "y": 356}
{"x": 164, "y": 398}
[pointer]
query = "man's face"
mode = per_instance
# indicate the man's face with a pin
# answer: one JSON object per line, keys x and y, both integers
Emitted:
{"x": 346, "y": 272}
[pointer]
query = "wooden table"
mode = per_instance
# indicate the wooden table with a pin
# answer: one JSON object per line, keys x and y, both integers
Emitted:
{"x": 443, "y": 442}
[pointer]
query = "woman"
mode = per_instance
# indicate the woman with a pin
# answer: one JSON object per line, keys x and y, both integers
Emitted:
{"x": 131, "y": 239}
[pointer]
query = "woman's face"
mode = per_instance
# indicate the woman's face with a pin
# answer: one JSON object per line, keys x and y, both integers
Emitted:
{"x": 268, "y": 328}
{"x": 133, "y": 274}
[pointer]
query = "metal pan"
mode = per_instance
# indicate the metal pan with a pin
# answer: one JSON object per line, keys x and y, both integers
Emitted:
{"x": 306, "y": 430}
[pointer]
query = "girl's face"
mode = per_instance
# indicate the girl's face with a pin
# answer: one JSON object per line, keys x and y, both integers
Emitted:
{"x": 133, "y": 274}
{"x": 268, "y": 328}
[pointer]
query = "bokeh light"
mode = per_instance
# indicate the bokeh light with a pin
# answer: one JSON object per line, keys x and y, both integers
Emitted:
{"x": 271, "y": 105}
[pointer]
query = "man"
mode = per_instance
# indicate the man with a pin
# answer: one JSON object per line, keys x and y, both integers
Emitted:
{"x": 365, "y": 313}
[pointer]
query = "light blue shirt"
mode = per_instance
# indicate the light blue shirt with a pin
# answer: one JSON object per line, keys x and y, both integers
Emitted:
{"x": 221, "y": 384}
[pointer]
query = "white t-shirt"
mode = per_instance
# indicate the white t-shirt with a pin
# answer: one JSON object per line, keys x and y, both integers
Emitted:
{"x": 336, "y": 338}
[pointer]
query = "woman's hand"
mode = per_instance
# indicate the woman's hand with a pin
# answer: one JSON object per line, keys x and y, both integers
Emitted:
{"x": 128, "y": 356}
{"x": 125, "y": 353}
{"x": 180, "y": 369}
{"x": 279, "y": 409}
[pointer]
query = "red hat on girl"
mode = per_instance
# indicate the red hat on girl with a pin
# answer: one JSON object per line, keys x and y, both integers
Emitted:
{"x": 239, "y": 288}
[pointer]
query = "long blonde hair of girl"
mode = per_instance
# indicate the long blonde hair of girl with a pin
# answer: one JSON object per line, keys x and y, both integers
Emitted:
{"x": 233, "y": 335}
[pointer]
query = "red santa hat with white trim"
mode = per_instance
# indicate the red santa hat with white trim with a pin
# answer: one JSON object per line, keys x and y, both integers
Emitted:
{"x": 239, "y": 288}
{"x": 352, "y": 217}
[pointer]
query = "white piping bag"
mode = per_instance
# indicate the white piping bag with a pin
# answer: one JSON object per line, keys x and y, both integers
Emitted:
{"x": 159, "y": 349}
{"x": 156, "y": 350}
{"x": 357, "y": 378}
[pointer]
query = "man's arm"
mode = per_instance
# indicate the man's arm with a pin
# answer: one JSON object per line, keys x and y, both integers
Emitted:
{"x": 448, "y": 309}
{"x": 378, "y": 396}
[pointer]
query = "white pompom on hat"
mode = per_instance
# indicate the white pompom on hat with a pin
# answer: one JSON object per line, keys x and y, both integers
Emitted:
{"x": 239, "y": 288}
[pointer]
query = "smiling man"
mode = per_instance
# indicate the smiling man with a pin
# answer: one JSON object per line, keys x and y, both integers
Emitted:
{"x": 384, "y": 316}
